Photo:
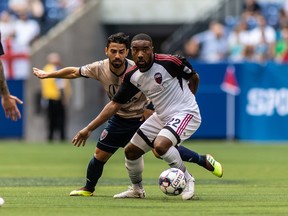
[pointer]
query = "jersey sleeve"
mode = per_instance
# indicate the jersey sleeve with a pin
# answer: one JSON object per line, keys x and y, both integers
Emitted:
{"x": 92, "y": 70}
{"x": 187, "y": 69}
{"x": 126, "y": 91}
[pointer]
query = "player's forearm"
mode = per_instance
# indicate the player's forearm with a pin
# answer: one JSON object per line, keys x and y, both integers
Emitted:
{"x": 65, "y": 73}
{"x": 4, "y": 91}
{"x": 194, "y": 83}
{"x": 108, "y": 111}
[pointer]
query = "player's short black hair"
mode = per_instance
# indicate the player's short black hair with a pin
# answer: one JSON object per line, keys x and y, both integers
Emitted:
{"x": 120, "y": 38}
{"x": 142, "y": 36}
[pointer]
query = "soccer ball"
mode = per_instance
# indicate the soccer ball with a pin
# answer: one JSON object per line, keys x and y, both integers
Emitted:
{"x": 172, "y": 182}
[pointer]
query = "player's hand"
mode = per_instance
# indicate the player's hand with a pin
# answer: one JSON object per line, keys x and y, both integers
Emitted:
{"x": 81, "y": 137}
{"x": 11, "y": 110}
{"x": 146, "y": 114}
{"x": 39, "y": 73}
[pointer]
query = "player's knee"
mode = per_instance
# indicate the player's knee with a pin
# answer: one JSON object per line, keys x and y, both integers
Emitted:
{"x": 132, "y": 152}
{"x": 160, "y": 150}
{"x": 161, "y": 145}
{"x": 101, "y": 155}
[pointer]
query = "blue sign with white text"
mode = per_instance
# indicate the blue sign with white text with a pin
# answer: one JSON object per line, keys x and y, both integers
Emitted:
{"x": 259, "y": 112}
{"x": 263, "y": 103}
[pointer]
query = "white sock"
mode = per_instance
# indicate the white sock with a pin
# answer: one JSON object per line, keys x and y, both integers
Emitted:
{"x": 135, "y": 169}
{"x": 172, "y": 157}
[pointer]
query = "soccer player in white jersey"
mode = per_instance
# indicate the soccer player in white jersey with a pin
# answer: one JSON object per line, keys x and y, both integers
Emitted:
{"x": 168, "y": 83}
{"x": 125, "y": 122}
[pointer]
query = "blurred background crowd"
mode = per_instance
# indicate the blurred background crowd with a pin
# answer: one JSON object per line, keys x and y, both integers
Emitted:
{"x": 259, "y": 34}
{"x": 22, "y": 22}
{"x": 39, "y": 15}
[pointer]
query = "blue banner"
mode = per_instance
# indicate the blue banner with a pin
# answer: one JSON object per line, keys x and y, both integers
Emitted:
{"x": 262, "y": 110}
{"x": 259, "y": 112}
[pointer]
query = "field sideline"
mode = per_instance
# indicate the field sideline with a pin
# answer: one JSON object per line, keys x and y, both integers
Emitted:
{"x": 36, "y": 178}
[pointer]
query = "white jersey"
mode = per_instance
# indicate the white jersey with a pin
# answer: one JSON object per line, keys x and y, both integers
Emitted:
{"x": 165, "y": 84}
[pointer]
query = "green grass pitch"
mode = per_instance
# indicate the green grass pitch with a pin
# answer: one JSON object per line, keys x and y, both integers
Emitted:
{"x": 36, "y": 178}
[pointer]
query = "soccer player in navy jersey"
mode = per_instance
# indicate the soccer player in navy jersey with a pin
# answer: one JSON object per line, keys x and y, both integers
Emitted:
{"x": 9, "y": 102}
{"x": 169, "y": 83}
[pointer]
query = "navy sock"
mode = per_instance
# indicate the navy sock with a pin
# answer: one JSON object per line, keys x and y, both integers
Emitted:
{"x": 94, "y": 172}
{"x": 191, "y": 156}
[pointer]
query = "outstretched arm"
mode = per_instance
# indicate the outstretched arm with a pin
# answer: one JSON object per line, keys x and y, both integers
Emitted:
{"x": 66, "y": 73}
{"x": 108, "y": 111}
{"x": 9, "y": 102}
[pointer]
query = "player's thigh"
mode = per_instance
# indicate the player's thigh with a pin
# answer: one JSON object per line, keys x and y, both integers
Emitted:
{"x": 117, "y": 133}
{"x": 180, "y": 127}
{"x": 146, "y": 134}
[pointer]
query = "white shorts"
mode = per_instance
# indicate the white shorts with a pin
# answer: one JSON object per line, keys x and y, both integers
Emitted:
{"x": 177, "y": 129}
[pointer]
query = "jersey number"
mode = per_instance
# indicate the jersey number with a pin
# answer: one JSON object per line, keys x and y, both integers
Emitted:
{"x": 174, "y": 122}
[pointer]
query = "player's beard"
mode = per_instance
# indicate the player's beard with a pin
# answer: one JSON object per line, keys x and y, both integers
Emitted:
{"x": 143, "y": 65}
{"x": 117, "y": 63}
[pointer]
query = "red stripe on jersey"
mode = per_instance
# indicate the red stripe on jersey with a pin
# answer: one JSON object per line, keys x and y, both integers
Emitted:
{"x": 184, "y": 123}
{"x": 168, "y": 58}
{"x": 129, "y": 70}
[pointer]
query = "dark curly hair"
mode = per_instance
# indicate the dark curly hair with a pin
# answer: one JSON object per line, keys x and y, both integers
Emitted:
{"x": 120, "y": 38}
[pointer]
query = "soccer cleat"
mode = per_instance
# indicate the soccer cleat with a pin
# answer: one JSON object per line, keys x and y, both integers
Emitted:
{"x": 81, "y": 192}
{"x": 131, "y": 193}
{"x": 216, "y": 167}
{"x": 188, "y": 192}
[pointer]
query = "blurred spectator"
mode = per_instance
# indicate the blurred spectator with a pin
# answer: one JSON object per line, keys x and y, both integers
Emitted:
{"x": 238, "y": 40}
{"x": 249, "y": 53}
{"x": 7, "y": 25}
{"x": 34, "y": 8}
{"x": 17, "y": 48}
{"x": 262, "y": 51}
{"x": 16, "y": 60}
{"x": 46, "y": 12}
{"x": 285, "y": 6}
{"x": 191, "y": 49}
{"x": 56, "y": 92}
{"x": 251, "y": 9}
{"x": 26, "y": 29}
{"x": 213, "y": 43}
{"x": 283, "y": 18}
{"x": 281, "y": 48}
{"x": 17, "y": 5}
{"x": 263, "y": 39}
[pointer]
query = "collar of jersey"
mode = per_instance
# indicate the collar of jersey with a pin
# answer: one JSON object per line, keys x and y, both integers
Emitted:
{"x": 126, "y": 65}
